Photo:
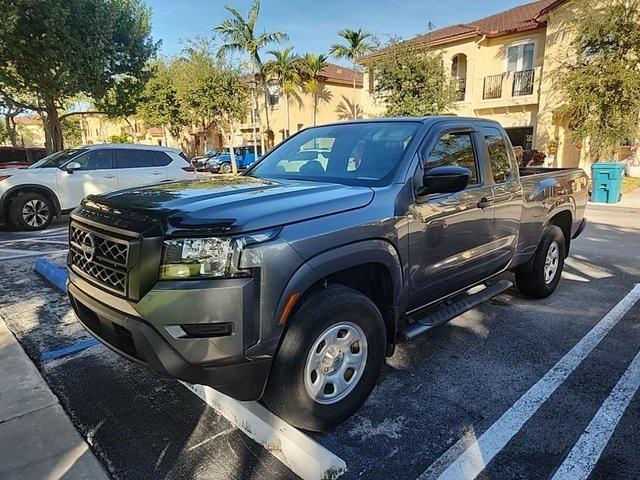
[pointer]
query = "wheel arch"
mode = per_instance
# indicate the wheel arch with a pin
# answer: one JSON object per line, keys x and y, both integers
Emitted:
{"x": 13, "y": 192}
{"x": 563, "y": 219}
{"x": 372, "y": 267}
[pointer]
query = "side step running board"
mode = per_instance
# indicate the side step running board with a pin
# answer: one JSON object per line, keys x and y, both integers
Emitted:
{"x": 423, "y": 325}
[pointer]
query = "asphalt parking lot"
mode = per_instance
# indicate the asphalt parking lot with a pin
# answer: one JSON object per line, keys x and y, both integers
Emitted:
{"x": 512, "y": 389}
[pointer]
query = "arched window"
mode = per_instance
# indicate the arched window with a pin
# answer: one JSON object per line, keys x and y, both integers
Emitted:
{"x": 459, "y": 76}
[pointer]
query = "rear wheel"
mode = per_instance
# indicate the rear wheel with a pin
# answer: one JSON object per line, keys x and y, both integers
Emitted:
{"x": 329, "y": 360}
{"x": 539, "y": 277}
{"x": 31, "y": 211}
{"x": 225, "y": 168}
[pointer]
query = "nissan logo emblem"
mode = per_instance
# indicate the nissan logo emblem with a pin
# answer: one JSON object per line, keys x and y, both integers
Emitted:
{"x": 88, "y": 247}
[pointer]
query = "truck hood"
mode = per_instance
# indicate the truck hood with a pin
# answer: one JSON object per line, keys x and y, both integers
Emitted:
{"x": 230, "y": 205}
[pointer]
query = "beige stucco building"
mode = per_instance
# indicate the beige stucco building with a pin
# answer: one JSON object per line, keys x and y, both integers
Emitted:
{"x": 335, "y": 103}
{"x": 503, "y": 66}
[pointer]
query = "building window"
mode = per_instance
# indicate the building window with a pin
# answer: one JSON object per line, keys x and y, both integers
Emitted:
{"x": 459, "y": 76}
{"x": 520, "y": 57}
{"x": 273, "y": 89}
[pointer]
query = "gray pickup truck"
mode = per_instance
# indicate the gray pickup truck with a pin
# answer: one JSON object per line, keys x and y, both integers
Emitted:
{"x": 292, "y": 282}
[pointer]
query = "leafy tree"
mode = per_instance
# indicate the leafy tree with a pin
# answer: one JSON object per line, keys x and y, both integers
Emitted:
{"x": 241, "y": 36}
{"x": 312, "y": 66}
{"x": 54, "y": 50}
{"x": 71, "y": 132}
{"x": 358, "y": 43}
{"x": 285, "y": 68}
{"x": 600, "y": 82}
{"x": 158, "y": 105}
{"x": 411, "y": 82}
{"x": 121, "y": 138}
{"x": 9, "y": 111}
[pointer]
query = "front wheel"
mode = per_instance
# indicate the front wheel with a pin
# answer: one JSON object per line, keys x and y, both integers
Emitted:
{"x": 31, "y": 211}
{"x": 539, "y": 277}
{"x": 329, "y": 360}
{"x": 225, "y": 168}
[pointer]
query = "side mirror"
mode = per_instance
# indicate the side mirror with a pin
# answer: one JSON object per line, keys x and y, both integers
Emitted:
{"x": 73, "y": 166}
{"x": 446, "y": 179}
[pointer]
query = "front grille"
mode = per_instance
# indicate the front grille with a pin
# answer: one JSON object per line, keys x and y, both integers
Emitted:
{"x": 102, "y": 258}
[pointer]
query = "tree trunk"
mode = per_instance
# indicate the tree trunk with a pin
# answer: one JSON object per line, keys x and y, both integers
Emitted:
{"x": 354, "y": 106}
{"x": 53, "y": 130}
{"x": 315, "y": 107}
{"x": 288, "y": 132}
{"x": 11, "y": 130}
{"x": 256, "y": 118}
{"x": 266, "y": 111}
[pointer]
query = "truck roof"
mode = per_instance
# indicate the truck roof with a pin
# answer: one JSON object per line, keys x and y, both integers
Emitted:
{"x": 427, "y": 119}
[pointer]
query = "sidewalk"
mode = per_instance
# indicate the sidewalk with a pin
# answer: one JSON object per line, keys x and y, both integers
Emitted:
{"x": 37, "y": 438}
{"x": 629, "y": 200}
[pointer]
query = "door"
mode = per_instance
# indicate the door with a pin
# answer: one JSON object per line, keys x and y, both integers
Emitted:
{"x": 450, "y": 234}
{"x": 507, "y": 196}
{"x": 96, "y": 175}
{"x": 137, "y": 167}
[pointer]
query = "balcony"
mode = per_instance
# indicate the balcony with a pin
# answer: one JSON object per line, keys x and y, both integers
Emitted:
{"x": 523, "y": 83}
{"x": 459, "y": 89}
{"x": 492, "y": 87}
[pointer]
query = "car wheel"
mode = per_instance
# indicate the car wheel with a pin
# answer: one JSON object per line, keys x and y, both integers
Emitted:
{"x": 539, "y": 277}
{"x": 225, "y": 168}
{"x": 329, "y": 359}
{"x": 31, "y": 211}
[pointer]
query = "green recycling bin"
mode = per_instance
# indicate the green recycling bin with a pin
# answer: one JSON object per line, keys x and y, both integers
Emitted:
{"x": 606, "y": 181}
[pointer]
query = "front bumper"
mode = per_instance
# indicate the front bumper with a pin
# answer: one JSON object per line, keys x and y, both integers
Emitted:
{"x": 217, "y": 362}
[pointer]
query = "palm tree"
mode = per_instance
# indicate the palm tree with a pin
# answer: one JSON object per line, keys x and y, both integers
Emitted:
{"x": 286, "y": 70}
{"x": 241, "y": 36}
{"x": 312, "y": 66}
{"x": 357, "y": 45}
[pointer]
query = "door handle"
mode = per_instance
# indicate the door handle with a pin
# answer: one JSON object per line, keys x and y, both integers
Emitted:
{"x": 156, "y": 173}
{"x": 109, "y": 176}
{"x": 484, "y": 203}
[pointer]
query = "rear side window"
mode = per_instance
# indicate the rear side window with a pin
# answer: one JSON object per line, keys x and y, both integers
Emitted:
{"x": 454, "y": 149}
{"x": 498, "y": 154}
{"x": 134, "y": 158}
{"x": 161, "y": 159}
{"x": 184, "y": 157}
{"x": 96, "y": 160}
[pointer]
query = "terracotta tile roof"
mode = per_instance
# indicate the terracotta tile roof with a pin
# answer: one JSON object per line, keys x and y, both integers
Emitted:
{"x": 339, "y": 74}
{"x": 519, "y": 19}
{"x": 156, "y": 132}
{"x": 332, "y": 74}
{"x": 28, "y": 120}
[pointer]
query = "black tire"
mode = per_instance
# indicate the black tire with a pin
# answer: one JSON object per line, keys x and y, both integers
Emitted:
{"x": 286, "y": 394}
{"x": 530, "y": 277}
{"x": 225, "y": 168}
{"x": 31, "y": 211}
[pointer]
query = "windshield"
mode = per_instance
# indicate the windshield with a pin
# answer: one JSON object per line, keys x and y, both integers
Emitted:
{"x": 352, "y": 154}
{"x": 214, "y": 152}
{"x": 56, "y": 160}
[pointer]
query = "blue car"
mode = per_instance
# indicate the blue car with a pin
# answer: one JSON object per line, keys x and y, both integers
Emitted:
{"x": 220, "y": 160}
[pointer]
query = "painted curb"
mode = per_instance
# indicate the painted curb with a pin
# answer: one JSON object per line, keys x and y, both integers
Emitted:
{"x": 303, "y": 455}
{"x": 52, "y": 272}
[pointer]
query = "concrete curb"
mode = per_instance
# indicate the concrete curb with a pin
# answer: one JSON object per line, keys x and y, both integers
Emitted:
{"x": 52, "y": 272}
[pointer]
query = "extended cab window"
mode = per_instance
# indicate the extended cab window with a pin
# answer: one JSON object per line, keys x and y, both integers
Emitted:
{"x": 454, "y": 149}
{"x": 134, "y": 158}
{"x": 96, "y": 160}
{"x": 498, "y": 154}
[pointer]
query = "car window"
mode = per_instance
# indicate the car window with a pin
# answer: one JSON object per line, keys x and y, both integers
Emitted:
{"x": 353, "y": 154}
{"x": 96, "y": 160}
{"x": 498, "y": 154}
{"x": 134, "y": 158}
{"x": 454, "y": 149}
{"x": 161, "y": 159}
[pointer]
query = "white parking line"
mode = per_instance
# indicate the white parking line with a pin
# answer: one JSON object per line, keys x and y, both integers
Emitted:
{"x": 304, "y": 456}
{"x": 586, "y": 452}
{"x": 464, "y": 461}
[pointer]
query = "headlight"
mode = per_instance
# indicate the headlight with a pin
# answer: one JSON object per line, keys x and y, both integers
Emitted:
{"x": 207, "y": 257}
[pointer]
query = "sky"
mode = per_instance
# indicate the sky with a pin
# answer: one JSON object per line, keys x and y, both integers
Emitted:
{"x": 312, "y": 25}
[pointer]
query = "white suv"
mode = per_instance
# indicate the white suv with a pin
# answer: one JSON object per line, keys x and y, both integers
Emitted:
{"x": 31, "y": 197}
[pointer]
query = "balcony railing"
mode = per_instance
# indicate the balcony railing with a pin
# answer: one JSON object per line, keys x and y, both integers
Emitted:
{"x": 459, "y": 89}
{"x": 492, "y": 87}
{"x": 523, "y": 83}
